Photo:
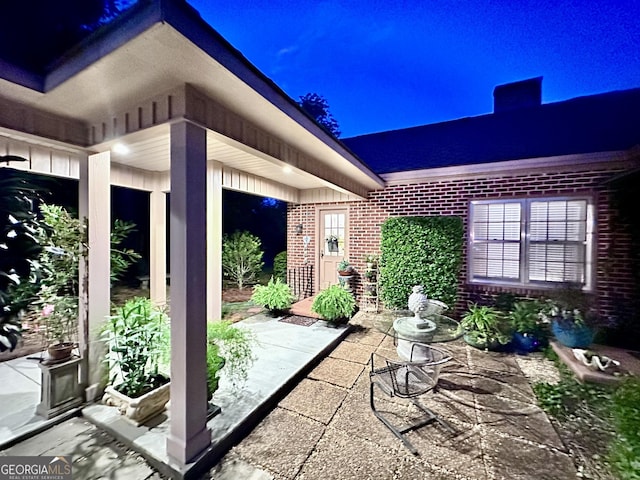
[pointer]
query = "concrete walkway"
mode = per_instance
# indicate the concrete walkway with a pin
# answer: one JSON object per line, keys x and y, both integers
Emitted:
{"x": 324, "y": 428}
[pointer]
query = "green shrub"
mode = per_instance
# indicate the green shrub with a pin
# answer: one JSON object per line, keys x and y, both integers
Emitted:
{"x": 420, "y": 251}
{"x": 484, "y": 326}
{"x": 280, "y": 266}
{"x": 241, "y": 257}
{"x": 138, "y": 336}
{"x": 525, "y": 317}
{"x": 624, "y": 452}
{"x": 229, "y": 347}
{"x": 334, "y": 304}
{"x": 121, "y": 258}
{"x": 275, "y": 295}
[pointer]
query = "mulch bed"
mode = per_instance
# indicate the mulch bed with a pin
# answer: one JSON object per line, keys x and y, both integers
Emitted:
{"x": 298, "y": 320}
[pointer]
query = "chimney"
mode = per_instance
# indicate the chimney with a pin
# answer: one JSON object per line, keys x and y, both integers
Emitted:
{"x": 511, "y": 96}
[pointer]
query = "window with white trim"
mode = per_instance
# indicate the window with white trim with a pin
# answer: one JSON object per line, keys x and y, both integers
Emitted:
{"x": 531, "y": 242}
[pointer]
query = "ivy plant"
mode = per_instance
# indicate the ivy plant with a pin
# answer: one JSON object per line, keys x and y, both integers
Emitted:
{"x": 420, "y": 251}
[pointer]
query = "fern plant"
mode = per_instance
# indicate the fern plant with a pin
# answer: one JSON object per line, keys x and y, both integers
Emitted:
{"x": 334, "y": 304}
{"x": 276, "y": 295}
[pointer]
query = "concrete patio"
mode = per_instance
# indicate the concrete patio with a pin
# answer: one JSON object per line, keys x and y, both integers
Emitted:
{"x": 324, "y": 427}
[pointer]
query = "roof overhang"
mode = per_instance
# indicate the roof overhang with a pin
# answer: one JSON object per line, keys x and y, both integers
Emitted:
{"x": 163, "y": 47}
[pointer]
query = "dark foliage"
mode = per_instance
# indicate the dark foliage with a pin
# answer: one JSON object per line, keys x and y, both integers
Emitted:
{"x": 318, "y": 107}
{"x": 18, "y": 251}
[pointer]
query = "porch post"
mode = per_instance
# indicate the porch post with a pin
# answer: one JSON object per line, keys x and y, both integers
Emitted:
{"x": 158, "y": 242}
{"x": 188, "y": 432}
{"x": 97, "y": 208}
{"x": 214, "y": 240}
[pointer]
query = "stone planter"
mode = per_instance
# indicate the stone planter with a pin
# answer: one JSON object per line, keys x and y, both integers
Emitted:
{"x": 138, "y": 410}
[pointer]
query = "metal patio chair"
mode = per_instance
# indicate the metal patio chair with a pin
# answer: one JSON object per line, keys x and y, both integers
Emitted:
{"x": 408, "y": 380}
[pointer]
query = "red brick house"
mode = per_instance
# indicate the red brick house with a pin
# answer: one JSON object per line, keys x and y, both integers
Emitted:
{"x": 537, "y": 186}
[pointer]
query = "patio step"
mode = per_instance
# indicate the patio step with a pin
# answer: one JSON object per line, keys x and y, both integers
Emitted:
{"x": 303, "y": 308}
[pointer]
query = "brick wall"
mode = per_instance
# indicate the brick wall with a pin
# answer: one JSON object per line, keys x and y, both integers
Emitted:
{"x": 614, "y": 275}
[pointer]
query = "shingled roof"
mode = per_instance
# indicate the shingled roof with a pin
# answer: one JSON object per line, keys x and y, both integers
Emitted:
{"x": 596, "y": 123}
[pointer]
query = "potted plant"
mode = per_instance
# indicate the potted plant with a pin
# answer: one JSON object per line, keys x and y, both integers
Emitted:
{"x": 276, "y": 296}
{"x": 345, "y": 269}
{"x": 228, "y": 350}
{"x": 137, "y": 337}
{"x": 483, "y": 327}
{"x": 525, "y": 321}
{"x": 370, "y": 260}
{"x": 571, "y": 317}
{"x": 332, "y": 243}
{"x": 64, "y": 243}
{"x": 335, "y": 304}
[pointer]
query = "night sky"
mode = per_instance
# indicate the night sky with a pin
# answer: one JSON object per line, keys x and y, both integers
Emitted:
{"x": 384, "y": 65}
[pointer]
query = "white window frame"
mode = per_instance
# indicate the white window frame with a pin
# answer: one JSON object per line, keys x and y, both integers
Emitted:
{"x": 525, "y": 243}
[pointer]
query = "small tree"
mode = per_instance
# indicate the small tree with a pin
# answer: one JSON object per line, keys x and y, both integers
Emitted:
{"x": 241, "y": 257}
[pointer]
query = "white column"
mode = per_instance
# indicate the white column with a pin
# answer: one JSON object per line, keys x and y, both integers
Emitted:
{"x": 83, "y": 294}
{"x": 214, "y": 240}
{"x": 188, "y": 433}
{"x": 98, "y": 211}
{"x": 158, "y": 242}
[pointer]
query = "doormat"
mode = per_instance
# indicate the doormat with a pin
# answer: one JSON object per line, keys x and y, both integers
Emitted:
{"x": 298, "y": 320}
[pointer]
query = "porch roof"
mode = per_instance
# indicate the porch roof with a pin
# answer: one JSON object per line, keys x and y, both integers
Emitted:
{"x": 162, "y": 47}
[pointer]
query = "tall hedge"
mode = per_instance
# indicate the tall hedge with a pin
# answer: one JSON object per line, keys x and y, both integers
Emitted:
{"x": 420, "y": 251}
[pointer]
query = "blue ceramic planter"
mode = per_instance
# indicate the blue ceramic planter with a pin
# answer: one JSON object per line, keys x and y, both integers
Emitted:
{"x": 572, "y": 335}
{"x": 526, "y": 344}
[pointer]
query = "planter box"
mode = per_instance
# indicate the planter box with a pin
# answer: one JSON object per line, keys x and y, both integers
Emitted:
{"x": 138, "y": 410}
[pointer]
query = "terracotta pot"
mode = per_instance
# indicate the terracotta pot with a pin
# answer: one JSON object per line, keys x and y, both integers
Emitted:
{"x": 60, "y": 351}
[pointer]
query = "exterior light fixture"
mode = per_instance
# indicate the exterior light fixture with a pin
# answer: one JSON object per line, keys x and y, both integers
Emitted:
{"x": 287, "y": 169}
{"x": 299, "y": 229}
{"x": 120, "y": 148}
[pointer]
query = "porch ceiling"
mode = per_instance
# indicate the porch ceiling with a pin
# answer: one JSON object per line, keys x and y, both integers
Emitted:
{"x": 149, "y": 150}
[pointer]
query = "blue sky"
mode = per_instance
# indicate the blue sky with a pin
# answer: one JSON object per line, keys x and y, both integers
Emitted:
{"x": 385, "y": 65}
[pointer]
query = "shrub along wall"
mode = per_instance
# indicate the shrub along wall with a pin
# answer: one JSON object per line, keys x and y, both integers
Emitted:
{"x": 420, "y": 251}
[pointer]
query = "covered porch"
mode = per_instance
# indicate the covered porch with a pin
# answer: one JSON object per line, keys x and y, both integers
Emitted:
{"x": 161, "y": 103}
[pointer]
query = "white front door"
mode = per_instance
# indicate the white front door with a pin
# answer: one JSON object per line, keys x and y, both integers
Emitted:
{"x": 333, "y": 244}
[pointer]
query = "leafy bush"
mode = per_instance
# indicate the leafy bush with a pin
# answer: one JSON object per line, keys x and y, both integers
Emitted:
{"x": 138, "y": 337}
{"x": 229, "y": 347}
{"x": 420, "y": 251}
{"x": 20, "y": 248}
{"x": 241, "y": 257}
{"x": 624, "y": 452}
{"x": 484, "y": 326}
{"x": 275, "y": 295}
{"x": 525, "y": 316}
{"x": 334, "y": 304}
{"x": 280, "y": 266}
{"x": 121, "y": 258}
